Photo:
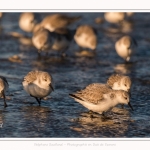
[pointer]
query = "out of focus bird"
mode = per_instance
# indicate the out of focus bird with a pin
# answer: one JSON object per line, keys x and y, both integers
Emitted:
{"x": 28, "y": 21}
{"x": 3, "y": 88}
{"x": 47, "y": 41}
{"x": 125, "y": 47}
{"x": 86, "y": 37}
{"x": 56, "y": 21}
{"x": 114, "y": 17}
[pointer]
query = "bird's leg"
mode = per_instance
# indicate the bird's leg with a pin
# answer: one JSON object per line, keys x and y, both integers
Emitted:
{"x": 103, "y": 114}
{"x": 103, "y": 117}
{"x": 94, "y": 52}
{"x": 3, "y": 94}
{"x": 38, "y": 100}
{"x": 122, "y": 106}
{"x": 46, "y": 54}
{"x": 39, "y": 54}
{"x": 63, "y": 52}
{"x": 80, "y": 49}
{"x": 91, "y": 116}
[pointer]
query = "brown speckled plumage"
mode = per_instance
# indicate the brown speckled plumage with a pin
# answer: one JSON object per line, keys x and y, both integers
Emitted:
{"x": 59, "y": 20}
{"x": 117, "y": 78}
{"x": 93, "y": 93}
{"x": 32, "y": 76}
{"x": 113, "y": 78}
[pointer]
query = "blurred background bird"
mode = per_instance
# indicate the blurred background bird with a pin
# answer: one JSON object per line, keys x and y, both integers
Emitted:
{"x": 125, "y": 47}
{"x": 86, "y": 37}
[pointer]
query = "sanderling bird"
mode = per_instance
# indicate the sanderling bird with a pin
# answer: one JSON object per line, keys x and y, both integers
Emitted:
{"x": 86, "y": 37}
{"x": 119, "y": 82}
{"x": 44, "y": 40}
{"x": 28, "y": 21}
{"x": 100, "y": 98}
{"x": 56, "y": 21}
{"x": 125, "y": 47}
{"x": 3, "y": 88}
{"x": 114, "y": 17}
{"x": 38, "y": 84}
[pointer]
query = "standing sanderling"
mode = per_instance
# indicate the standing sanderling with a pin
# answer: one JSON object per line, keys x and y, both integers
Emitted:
{"x": 86, "y": 37}
{"x": 42, "y": 40}
{"x": 100, "y": 98}
{"x": 125, "y": 47}
{"x": 119, "y": 82}
{"x": 28, "y": 21}
{"x": 38, "y": 84}
{"x": 3, "y": 87}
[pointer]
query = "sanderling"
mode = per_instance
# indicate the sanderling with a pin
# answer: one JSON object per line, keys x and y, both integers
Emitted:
{"x": 38, "y": 84}
{"x": 56, "y": 21}
{"x": 125, "y": 47}
{"x": 44, "y": 40}
{"x": 28, "y": 21}
{"x": 100, "y": 98}
{"x": 3, "y": 88}
{"x": 114, "y": 17}
{"x": 119, "y": 82}
{"x": 86, "y": 37}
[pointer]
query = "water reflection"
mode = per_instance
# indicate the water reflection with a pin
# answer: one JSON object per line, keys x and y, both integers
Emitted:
{"x": 85, "y": 53}
{"x": 35, "y": 118}
{"x": 115, "y": 124}
{"x": 1, "y": 120}
{"x": 125, "y": 68}
{"x": 22, "y": 38}
{"x": 126, "y": 26}
{"x": 43, "y": 62}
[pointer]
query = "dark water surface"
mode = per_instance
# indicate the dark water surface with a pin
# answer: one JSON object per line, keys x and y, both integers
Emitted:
{"x": 60, "y": 115}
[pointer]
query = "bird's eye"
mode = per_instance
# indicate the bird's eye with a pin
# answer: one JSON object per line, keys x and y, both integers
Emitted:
{"x": 125, "y": 85}
{"x": 125, "y": 97}
{"x": 45, "y": 79}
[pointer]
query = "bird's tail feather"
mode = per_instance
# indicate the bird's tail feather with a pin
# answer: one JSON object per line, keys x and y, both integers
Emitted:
{"x": 74, "y": 96}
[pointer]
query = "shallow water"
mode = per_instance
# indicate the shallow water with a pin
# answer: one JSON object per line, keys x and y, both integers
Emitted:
{"x": 60, "y": 115}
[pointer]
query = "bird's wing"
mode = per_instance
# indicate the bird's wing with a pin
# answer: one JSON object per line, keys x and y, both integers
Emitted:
{"x": 31, "y": 76}
{"x": 93, "y": 93}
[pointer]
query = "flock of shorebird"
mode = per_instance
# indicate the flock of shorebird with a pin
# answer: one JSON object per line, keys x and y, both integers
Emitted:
{"x": 52, "y": 34}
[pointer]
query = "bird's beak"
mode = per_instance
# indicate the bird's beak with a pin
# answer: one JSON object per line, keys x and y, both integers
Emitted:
{"x": 130, "y": 106}
{"x": 51, "y": 87}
